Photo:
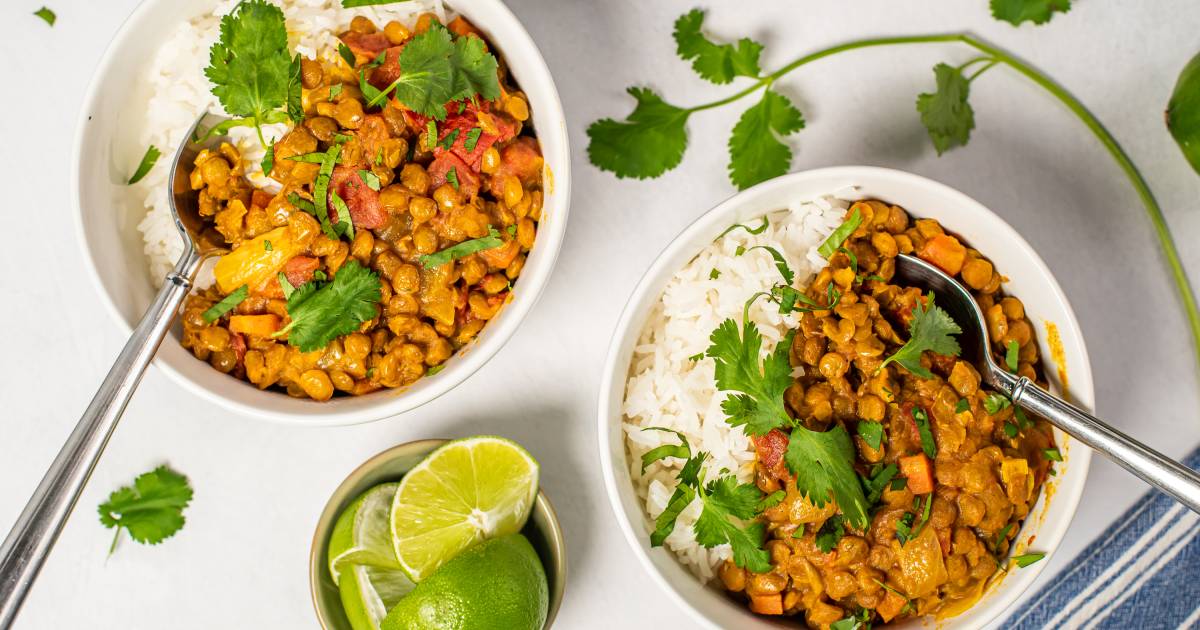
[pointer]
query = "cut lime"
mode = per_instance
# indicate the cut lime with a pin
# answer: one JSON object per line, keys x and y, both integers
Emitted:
{"x": 368, "y": 593}
{"x": 363, "y": 534}
{"x": 466, "y": 491}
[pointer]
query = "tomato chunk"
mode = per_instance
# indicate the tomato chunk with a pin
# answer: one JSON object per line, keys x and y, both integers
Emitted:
{"x": 366, "y": 44}
{"x": 387, "y": 72}
{"x": 522, "y": 159}
{"x": 300, "y": 269}
{"x": 439, "y": 173}
{"x": 770, "y": 449}
{"x": 365, "y": 209}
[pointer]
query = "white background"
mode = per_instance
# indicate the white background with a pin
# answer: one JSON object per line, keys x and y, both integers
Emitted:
{"x": 241, "y": 559}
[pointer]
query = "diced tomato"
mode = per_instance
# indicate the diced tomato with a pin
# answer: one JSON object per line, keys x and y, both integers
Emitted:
{"x": 237, "y": 341}
{"x": 946, "y": 252}
{"x": 460, "y": 126}
{"x": 439, "y": 169}
{"x": 770, "y": 449}
{"x": 366, "y": 44}
{"x": 300, "y": 269}
{"x": 260, "y": 198}
{"x": 906, "y": 412}
{"x": 365, "y": 209}
{"x": 387, "y": 72}
{"x": 919, "y": 472}
{"x": 521, "y": 158}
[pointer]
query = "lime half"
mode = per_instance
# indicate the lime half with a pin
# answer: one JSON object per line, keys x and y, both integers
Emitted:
{"x": 466, "y": 491}
{"x": 368, "y": 593}
{"x": 362, "y": 534}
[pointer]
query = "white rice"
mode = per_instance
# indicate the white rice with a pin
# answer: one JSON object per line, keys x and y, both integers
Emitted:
{"x": 180, "y": 92}
{"x": 667, "y": 389}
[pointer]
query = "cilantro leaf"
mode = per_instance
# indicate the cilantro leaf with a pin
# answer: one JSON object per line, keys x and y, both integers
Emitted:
{"x": 1025, "y": 560}
{"x": 904, "y": 528}
{"x": 780, "y": 263}
{"x": 839, "y": 235}
{"x": 928, "y": 445}
{"x": 963, "y": 406}
{"x": 439, "y": 69}
{"x": 830, "y": 533}
{"x": 1037, "y": 11}
{"x": 871, "y": 433}
{"x": 724, "y": 498}
{"x": 1052, "y": 454}
{"x": 665, "y": 523}
{"x": 320, "y": 315}
{"x": 878, "y": 482}
{"x": 766, "y": 222}
{"x": 994, "y": 403}
{"x": 649, "y": 142}
{"x": 718, "y": 63}
{"x": 760, "y": 405}
{"x": 1012, "y": 355}
{"x": 249, "y": 66}
{"x": 47, "y": 15}
{"x": 151, "y": 510}
{"x": 465, "y": 248}
{"x": 148, "y": 160}
{"x": 226, "y": 304}
{"x": 755, "y": 152}
{"x": 682, "y": 450}
{"x": 930, "y": 329}
{"x": 823, "y": 463}
{"x": 946, "y": 114}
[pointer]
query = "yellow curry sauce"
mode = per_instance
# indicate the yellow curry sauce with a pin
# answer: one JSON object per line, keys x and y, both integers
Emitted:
{"x": 414, "y": 188}
{"x": 958, "y": 511}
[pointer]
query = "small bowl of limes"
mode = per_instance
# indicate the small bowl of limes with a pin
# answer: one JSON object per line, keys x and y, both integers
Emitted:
{"x": 439, "y": 535}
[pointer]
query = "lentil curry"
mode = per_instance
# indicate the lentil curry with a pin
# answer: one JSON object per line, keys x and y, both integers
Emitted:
{"x": 943, "y": 521}
{"x": 410, "y": 229}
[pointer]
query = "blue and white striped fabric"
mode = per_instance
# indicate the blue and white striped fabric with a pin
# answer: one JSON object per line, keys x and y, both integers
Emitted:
{"x": 1142, "y": 573}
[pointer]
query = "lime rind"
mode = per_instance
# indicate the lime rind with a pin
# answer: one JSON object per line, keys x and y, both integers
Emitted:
{"x": 363, "y": 533}
{"x": 368, "y": 593}
{"x": 466, "y": 491}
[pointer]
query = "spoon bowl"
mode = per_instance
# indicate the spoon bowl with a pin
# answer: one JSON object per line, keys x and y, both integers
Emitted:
{"x": 1153, "y": 467}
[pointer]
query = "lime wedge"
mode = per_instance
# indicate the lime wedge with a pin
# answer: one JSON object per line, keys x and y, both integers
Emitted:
{"x": 363, "y": 534}
{"x": 368, "y": 593}
{"x": 464, "y": 492}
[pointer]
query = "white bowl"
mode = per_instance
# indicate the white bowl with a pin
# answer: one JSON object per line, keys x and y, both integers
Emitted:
{"x": 1030, "y": 280}
{"x": 108, "y": 212}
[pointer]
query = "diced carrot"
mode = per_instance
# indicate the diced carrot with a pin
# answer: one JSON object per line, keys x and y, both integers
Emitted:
{"x": 891, "y": 606}
{"x": 501, "y": 257}
{"x": 257, "y": 325}
{"x": 919, "y": 472}
{"x": 767, "y": 604}
{"x": 460, "y": 26}
{"x": 946, "y": 252}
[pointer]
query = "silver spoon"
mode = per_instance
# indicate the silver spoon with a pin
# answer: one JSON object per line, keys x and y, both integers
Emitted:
{"x": 1151, "y": 466}
{"x": 38, "y": 526}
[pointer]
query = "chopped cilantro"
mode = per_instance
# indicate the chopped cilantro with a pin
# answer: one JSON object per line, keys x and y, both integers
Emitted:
{"x": 871, "y": 433}
{"x": 830, "y": 533}
{"x": 994, "y": 403}
{"x": 1025, "y": 560}
{"x": 714, "y": 274}
{"x": 1012, "y": 355}
{"x": 285, "y": 285}
{"x": 472, "y": 138}
{"x": 878, "y": 481}
{"x": 452, "y": 177}
{"x": 267, "y": 245}
{"x": 766, "y": 222}
{"x": 840, "y": 234}
{"x": 369, "y": 178}
{"x": 226, "y": 304}
{"x": 963, "y": 406}
{"x": 1052, "y": 454}
{"x": 927, "y": 443}
{"x": 345, "y": 225}
{"x": 696, "y": 357}
{"x": 449, "y": 140}
{"x": 346, "y": 54}
{"x": 1011, "y": 430}
{"x": 47, "y": 15}
{"x": 268, "y": 161}
{"x": 681, "y": 451}
{"x": 334, "y": 90}
{"x": 465, "y": 248}
{"x": 148, "y": 159}
{"x": 1001, "y": 536}
{"x": 799, "y": 531}
{"x": 435, "y": 369}
{"x": 781, "y": 264}
{"x": 904, "y": 528}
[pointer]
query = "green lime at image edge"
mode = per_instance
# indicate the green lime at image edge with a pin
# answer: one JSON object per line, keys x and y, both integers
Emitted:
{"x": 498, "y": 584}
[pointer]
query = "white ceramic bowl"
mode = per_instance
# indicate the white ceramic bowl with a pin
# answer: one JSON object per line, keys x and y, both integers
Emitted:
{"x": 108, "y": 212}
{"x": 1030, "y": 280}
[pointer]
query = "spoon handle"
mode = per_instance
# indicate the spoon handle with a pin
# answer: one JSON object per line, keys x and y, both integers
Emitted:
{"x": 38, "y": 526}
{"x": 1151, "y": 466}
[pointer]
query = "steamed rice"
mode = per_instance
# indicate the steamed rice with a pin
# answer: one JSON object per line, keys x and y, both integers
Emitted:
{"x": 667, "y": 389}
{"x": 180, "y": 92}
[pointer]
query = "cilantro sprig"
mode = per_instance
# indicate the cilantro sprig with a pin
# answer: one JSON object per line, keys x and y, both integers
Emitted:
{"x": 322, "y": 312}
{"x": 931, "y": 329}
{"x": 1037, "y": 11}
{"x": 151, "y": 509}
{"x": 822, "y": 462}
{"x": 439, "y": 69}
{"x": 465, "y": 248}
{"x": 727, "y": 507}
{"x": 252, "y": 72}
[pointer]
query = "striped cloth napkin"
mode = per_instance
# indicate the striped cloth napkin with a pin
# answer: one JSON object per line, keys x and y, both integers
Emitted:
{"x": 1142, "y": 573}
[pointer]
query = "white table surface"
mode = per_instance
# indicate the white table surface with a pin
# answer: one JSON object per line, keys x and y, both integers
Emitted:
{"x": 241, "y": 559}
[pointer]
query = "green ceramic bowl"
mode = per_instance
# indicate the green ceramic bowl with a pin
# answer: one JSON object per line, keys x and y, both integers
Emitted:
{"x": 542, "y": 530}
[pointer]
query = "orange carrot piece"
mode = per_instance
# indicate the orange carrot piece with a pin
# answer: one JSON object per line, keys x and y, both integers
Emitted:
{"x": 767, "y": 604}
{"x": 891, "y": 606}
{"x": 919, "y": 472}
{"x": 946, "y": 252}
{"x": 258, "y": 325}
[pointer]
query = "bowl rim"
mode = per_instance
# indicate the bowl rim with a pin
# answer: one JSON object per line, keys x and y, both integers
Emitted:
{"x": 330, "y": 512}
{"x": 463, "y": 364}
{"x": 1082, "y": 380}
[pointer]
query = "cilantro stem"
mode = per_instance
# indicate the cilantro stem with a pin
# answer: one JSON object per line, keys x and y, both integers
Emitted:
{"x": 999, "y": 56}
